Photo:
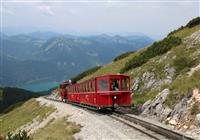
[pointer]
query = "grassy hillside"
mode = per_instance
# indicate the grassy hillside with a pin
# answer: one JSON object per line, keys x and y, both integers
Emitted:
{"x": 27, "y": 112}
{"x": 59, "y": 129}
{"x": 111, "y": 68}
{"x": 164, "y": 64}
{"x": 11, "y": 96}
{"x": 22, "y": 115}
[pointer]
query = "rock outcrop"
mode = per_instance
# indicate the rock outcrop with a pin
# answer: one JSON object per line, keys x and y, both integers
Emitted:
{"x": 156, "y": 107}
{"x": 179, "y": 116}
{"x": 149, "y": 80}
{"x": 197, "y": 120}
{"x": 193, "y": 39}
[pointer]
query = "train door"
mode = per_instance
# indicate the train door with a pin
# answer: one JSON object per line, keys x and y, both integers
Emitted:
{"x": 115, "y": 86}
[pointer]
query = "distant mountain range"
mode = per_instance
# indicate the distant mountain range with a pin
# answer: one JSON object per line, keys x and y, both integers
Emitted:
{"x": 48, "y": 56}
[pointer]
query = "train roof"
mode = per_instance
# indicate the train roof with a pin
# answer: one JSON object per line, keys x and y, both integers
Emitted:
{"x": 109, "y": 75}
{"x": 112, "y": 75}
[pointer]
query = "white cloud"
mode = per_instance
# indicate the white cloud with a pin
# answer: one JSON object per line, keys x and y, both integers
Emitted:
{"x": 46, "y": 9}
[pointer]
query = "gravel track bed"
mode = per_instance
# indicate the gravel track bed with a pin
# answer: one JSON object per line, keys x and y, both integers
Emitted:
{"x": 95, "y": 126}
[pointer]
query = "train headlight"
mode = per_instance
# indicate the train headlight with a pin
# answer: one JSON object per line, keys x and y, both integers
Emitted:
{"x": 115, "y": 97}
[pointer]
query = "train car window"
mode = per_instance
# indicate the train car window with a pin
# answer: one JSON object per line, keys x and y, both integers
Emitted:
{"x": 114, "y": 84}
{"x": 125, "y": 84}
{"x": 81, "y": 87}
{"x": 84, "y": 87}
{"x": 88, "y": 87}
{"x": 91, "y": 86}
{"x": 94, "y": 86}
{"x": 103, "y": 85}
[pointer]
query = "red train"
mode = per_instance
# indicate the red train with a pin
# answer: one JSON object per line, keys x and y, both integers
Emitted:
{"x": 99, "y": 93}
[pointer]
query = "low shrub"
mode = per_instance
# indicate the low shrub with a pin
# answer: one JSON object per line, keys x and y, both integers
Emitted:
{"x": 21, "y": 135}
{"x": 182, "y": 27}
{"x": 182, "y": 63}
{"x": 123, "y": 55}
{"x": 157, "y": 48}
{"x": 190, "y": 24}
{"x": 193, "y": 22}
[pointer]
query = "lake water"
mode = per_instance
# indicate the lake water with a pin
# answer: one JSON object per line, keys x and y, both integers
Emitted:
{"x": 36, "y": 87}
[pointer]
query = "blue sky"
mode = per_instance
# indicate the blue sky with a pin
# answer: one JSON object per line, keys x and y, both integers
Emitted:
{"x": 153, "y": 18}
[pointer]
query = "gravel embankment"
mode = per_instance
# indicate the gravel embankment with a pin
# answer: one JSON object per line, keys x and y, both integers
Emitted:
{"x": 95, "y": 126}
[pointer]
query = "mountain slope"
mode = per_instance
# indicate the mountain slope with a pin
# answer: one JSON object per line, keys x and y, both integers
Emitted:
{"x": 165, "y": 82}
{"x": 27, "y": 112}
{"x": 9, "y": 97}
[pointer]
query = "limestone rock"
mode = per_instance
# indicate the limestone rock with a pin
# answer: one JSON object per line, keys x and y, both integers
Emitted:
{"x": 156, "y": 107}
{"x": 162, "y": 58}
{"x": 146, "y": 104}
{"x": 165, "y": 113}
{"x": 197, "y": 120}
{"x": 172, "y": 122}
{"x": 180, "y": 109}
{"x": 169, "y": 71}
{"x": 193, "y": 39}
{"x": 135, "y": 85}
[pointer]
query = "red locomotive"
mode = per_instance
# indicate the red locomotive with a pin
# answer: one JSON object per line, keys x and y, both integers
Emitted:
{"x": 100, "y": 92}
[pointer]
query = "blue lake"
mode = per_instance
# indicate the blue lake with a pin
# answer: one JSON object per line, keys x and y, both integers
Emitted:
{"x": 36, "y": 87}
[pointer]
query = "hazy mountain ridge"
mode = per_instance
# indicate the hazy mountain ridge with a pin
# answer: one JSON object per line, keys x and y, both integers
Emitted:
{"x": 55, "y": 57}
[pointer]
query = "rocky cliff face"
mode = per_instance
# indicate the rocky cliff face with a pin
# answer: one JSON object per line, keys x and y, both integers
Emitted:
{"x": 178, "y": 117}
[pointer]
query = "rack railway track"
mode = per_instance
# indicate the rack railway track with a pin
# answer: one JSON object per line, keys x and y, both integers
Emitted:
{"x": 150, "y": 129}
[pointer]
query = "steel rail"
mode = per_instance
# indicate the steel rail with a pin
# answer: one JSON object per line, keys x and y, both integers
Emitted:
{"x": 154, "y": 127}
{"x": 136, "y": 128}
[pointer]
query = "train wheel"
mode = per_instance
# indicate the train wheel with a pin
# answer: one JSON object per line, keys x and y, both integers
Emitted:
{"x": 112, "y": 109}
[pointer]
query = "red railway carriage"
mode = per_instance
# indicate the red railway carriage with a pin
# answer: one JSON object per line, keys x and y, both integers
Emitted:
{"x": 101, "y": 92}
{"x": 64, "y": 91}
